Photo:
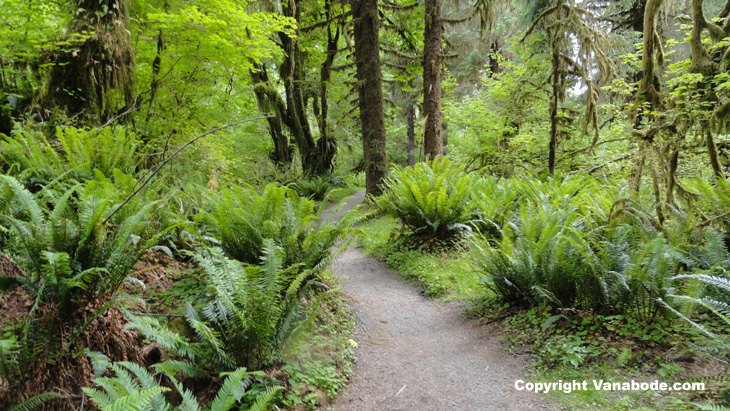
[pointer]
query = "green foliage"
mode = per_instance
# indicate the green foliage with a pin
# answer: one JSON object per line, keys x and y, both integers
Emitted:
{"x": 253, "y": 312}
{"x": 73, "y": 153}
{"x": 431, "y": 199}
{"x": 72, "y": 259}
{"x": 169, "y": 340}
{"x": 135, "y": 388}
{"x": 542, "y": 258}
{"x": 711, "y": 291}
{"x": 71, "y": 253}
{"x": 244, "y": 219}
{"x": 8, "y": 358}
{"x": 35, "y": 401}
{"x": 500, "y": 126}
{"x": 314, "y": 189}
{"x": 574, "y": 245}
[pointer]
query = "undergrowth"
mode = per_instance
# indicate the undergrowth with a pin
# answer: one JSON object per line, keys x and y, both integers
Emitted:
{"x": 448, "y": 274}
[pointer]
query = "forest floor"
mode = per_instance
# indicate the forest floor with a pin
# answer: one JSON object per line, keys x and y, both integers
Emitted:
{"x": 418, "y": 354}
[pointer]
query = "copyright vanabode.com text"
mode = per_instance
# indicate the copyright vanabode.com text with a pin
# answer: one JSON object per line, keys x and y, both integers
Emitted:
{"x": 601, "y": 385}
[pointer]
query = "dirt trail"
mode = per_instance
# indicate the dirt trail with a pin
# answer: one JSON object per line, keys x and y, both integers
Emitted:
{"x": 417, "y": 354}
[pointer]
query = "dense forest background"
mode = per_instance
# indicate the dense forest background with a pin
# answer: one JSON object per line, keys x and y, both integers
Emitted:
{"x": 487, "y": 88}
{"x": 575, "y": 152}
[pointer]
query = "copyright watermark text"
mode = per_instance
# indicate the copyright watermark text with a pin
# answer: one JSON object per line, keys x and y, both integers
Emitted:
{"x": 601, "y": 385}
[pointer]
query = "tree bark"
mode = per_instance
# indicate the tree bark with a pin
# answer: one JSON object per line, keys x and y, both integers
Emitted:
{"x": 82, "y": 79}
{"x": 714, "y": 156}
{"x": 433, "y": 146}
{"x": 554, "y": 102}
{"x": 649, "y": 85}
{"x": 411, "y": 135}
{"x": 445, "y": 138}
{"x": 369, "y": 83}
{"x": 326, "y": 146}
{"x": 270, "y": 102}
{"x": 290, "y": 72}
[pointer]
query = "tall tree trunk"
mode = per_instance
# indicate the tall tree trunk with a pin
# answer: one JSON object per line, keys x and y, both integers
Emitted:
{"x": 326, "y": 146}
{"x": 494, "y": 67}
{"x": 652, "y": 53}
{"x": 554, "y": 102}
{"x": 432, "y": 80}
{"x": 83, "y": 79}
{"x": 155, "y": 84}
{"x": 411, "y": 135}
{"x": 369, "y": 83}
{"x": 290, "y": 72}
{"x": 703, "y": 64}
{"x": 271, "y": 103}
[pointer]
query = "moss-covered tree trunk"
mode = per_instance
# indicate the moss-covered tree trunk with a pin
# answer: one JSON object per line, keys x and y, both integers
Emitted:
{"x": 652, "y": 54}
{"x": 702, "y": 63}
{"x": 92, "y": 79}
{"x": 316, "y": 156}
{"x": 326, "y": 145}
{"x": 290, "y": 72}
{"x": 433, "y": 146}
{"x": 369, "y": 84}
{"x": 271, "y": 103}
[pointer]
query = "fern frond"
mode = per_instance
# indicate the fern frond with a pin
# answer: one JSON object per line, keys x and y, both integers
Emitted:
{"x": 99, "y": 362}
{"x": 263, "y": 400}
{"x": 233, "y": 389}
{"x": 26, "y": 199}
{"x": 711, "y": 407}
{"x": 137, "y": 400}
{"x": 189, "y": 402}
{"x": 35, "y": 401}
{"x": 175, "y": 367}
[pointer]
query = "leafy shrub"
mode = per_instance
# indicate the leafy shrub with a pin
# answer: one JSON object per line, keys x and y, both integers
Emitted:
{"x": 576, "y": 245}
{"x": 431, "y": 199}
{"x": 495, "y": 202}
{"x": 244, "y": 219}
{"x": 711, "y": 292}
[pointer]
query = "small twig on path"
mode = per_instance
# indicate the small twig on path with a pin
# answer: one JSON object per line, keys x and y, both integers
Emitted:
{"x": 401, "y": 390}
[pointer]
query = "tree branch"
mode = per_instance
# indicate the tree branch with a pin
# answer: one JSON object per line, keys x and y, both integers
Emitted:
{"x": 173, "y": 155}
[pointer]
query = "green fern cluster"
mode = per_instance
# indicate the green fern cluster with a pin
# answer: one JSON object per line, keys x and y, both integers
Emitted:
{"x": 254, "y": 310}
{"x": 315, "y": 188}
{"x": 135, "y": 388}
{"x": 543, "y": 258}
{"x": 243, "y": 219}
{"x": 432, "y": 199}
{"x": 707, "y": 290}
{"x": 576, "y": 244}
{"x": 75, "y": 153}
{"x": 70, "y": 253}
{"x": 71, "y": 256}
